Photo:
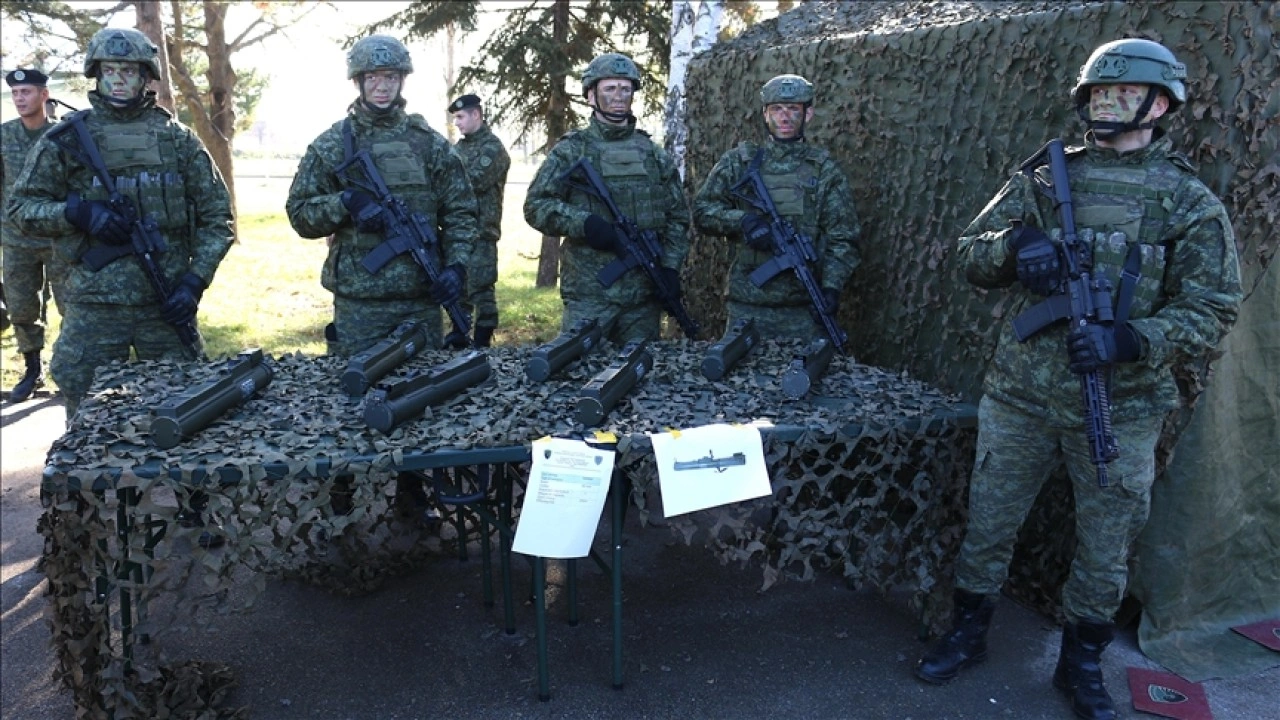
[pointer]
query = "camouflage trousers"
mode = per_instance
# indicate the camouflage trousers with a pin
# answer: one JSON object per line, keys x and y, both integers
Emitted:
{"x": 481, "y": 302}
{"x": 360, "y": 323}
{"x": 621, "y": 324}
{"x": 96, "y": 334}
{"x": 775, "y": 323}
{"x": 27, "y": 288}
{"x": 1016, "y": 453}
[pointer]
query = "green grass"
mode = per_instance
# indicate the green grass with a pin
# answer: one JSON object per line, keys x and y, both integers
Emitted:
{"x": 267, "y": 291}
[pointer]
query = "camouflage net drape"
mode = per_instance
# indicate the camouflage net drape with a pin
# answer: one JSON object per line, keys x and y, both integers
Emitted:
{"x": 929, "y": 107}
{"x": 868, "y": 471}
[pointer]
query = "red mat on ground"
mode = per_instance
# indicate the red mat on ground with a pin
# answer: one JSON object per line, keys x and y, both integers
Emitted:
{"x": 1166, "y": 694}
{"x": 1266, "y": 633}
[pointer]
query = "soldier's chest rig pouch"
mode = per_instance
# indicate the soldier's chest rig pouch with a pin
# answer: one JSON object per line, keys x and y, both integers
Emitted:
{"x": 146, "y": 169}
{"x": 631, "y": 182}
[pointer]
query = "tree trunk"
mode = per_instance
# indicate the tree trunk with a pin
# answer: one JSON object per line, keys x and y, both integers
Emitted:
{"x": 222, "y": 86}
{"x": 706, "y": 29}
{"x": 676, "y": 130}
{"x": 149, "y": 24}
{"x": 450, "y": 35}
{"x": 557, "y": 125}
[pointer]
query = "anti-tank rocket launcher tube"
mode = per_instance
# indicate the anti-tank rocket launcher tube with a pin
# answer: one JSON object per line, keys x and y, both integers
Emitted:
{"x": 599, "y": 396}
{"x": 807, "y": 369}
{"x": 373, "y": 363}
{"x": 187, "y": 413}
{"x": 723, "y": 356}
{"x": 388, "y": 405}
{"x": 570, "y": 345}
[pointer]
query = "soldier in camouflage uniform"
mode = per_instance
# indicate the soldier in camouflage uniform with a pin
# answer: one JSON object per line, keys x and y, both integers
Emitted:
{"x": 809, "y": 189}
{"x": 160, "y": 165}
{"x": 1138, "y": 206}
{"x": 26, "y": 271}
{"x": 644, "y": 184}
{"x": 487, "y": 163}
{"x": 419, "y": 167}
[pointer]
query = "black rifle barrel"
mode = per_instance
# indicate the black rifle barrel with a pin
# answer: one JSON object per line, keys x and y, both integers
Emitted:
{"x": 373, "y": 363}
{"x": 388, "y": 405}
{"x": 807, "y": 369}
{"x": 549, "y": 358}
{"x": 723, "y": 356}
{"x": 187, "y": 413}
{"x": 599, "y": 396}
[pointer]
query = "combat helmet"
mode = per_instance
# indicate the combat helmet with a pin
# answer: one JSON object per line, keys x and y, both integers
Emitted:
{"x": 1133, "y": 61}
{"x": 121, "y": 45}
{"x": 787, "y": 89}
{"x": 377, "y": 52}
{"x": 610, "y": 65}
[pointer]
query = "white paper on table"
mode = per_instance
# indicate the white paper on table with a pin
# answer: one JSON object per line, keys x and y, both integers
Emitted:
{"x": 568, "y": 482}
{"x": 708, "y": 466}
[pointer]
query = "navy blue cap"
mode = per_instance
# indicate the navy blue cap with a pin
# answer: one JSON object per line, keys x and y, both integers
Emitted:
{"x": 464, "y": 102}
{"x": 26, "y": 76}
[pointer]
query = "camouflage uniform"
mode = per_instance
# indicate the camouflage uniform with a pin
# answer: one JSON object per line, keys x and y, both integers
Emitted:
{"x": 810, "y": 190}
{"x": 166, "y": 169}
{"x": 420, "y": 168}
{"x": 27, "y": 260}
{"x": 646, "y": 187}
{"x": 487, "y": 163}
{"x": 1032, "y": 416}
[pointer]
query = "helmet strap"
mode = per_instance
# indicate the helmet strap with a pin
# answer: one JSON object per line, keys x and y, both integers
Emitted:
{"x": 1107, "y": 129}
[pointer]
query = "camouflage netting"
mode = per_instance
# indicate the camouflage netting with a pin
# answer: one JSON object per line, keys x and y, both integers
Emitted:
{"x": 867, "y": 473}
{"x": 930, "y": 106}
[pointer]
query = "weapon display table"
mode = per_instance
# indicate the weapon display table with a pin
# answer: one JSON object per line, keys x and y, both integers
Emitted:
{"x": 869, "y": 473}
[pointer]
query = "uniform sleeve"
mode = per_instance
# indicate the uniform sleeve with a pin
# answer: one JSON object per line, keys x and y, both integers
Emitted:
{"x": 1202, "y": 282}
{"x": 39, "y": 197}
{"x": 546, "y": 205}
{"x": 714, "y": 209}
{"x": 210, "y": 200}
{"x": 838, "y": 227}
{"x": 675, "y": 234}
{"x": 986, "y": 261}
{"x": 456, "y": 213}
{"x": 484, "y": 175}
{"x": 314, "y": 205}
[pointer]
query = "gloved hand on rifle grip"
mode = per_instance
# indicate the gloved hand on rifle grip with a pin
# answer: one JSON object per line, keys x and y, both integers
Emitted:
{"x": 365, "y": 212}
{"x": 671, "y": 277}
{"x": 1099, "y": 345}
{"x": 97, "y": 219}
{"x": 447, "y": 288}
{"x": 180, "y": 307}
{"x": 756, "y": 232}
{"x": 1039, "y": 263}
{"x": 832, "y": 297}
{"x": 600, "y": 234}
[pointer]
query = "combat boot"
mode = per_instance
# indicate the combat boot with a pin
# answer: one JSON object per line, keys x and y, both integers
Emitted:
{"x": 484, "y": 336}
{"x": 965, "y": 645}
{"x": 32, "y": 379}
{"x": 1079, "y": 671}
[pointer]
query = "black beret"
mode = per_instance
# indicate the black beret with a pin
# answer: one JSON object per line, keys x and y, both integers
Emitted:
{"x": 464, "y": 102}
{"x": 26, "y": 76}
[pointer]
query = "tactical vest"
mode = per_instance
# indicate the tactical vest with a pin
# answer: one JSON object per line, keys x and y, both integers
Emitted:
{"x": 143, "y": 161}
{"x": 1117, "y": 208}
{"x": 635, "y": 189}
{"x": 795, "y": 195}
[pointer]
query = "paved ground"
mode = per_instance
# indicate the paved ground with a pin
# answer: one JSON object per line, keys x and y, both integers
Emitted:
{"x": 701, "y": 642}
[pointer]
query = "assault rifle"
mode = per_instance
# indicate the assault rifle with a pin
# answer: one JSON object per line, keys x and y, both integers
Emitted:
{"x": 721, "y": 358}
{"x": 1088, "y": 300}
{"x": 640, "y": 248}
{"x": 404, "y": 232}
{"x": 388, "y": 405}
{"x": 792, "y": 250}
{"x": 145, "y": 240}
{"x": 187, "y": 413}
{"x": 371, "y": 364}
{"x": 807, "y": 369}
{"x": 568, "y": 346}
{"x": 599, "y": 396}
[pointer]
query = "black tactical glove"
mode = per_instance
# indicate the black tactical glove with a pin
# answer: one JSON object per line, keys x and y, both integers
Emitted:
{"x": 1097, "y": 346}
{"x": 600, "y": 234}
{"x": 97, "y": 220}
{"x": 756, "y": 232}
{"x": 832, "y": 297}
{"x": 180, "y": 308}
{"x": 365, "y": 212}
{"x": 447, "y": 288}
{"x": 671, "y": 277}
{"x": 1039, "y": 262}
